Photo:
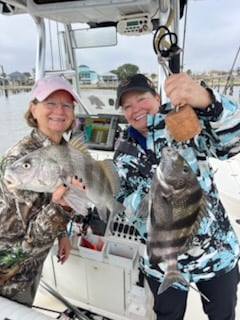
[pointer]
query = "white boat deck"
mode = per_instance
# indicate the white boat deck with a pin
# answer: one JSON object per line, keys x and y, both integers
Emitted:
{"x": 45, "y": 300}
{"x": 194, "y": 308}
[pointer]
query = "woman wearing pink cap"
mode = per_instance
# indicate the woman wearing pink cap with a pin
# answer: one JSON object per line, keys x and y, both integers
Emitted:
{"x": 30, "y": 221}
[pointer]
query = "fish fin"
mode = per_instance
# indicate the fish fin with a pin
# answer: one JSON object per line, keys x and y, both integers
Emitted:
{"x": 77, "y": 200}
{"x": 78, "y": 143}
{"x": 111, "y": 173}
{"x": 171, "y": 277}
{"x": 114, "y": 208}
{"x": 176, "y": 276}
{"x": 118, "y": 207}
{"x": 103, "y": 213}
{"x": 143, "y": 207}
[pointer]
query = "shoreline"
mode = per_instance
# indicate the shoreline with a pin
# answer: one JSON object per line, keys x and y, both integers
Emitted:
{"x": 211, "y": 81}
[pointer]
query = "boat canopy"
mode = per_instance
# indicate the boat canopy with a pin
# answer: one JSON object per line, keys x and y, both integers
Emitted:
{"x": 93, "y": 12}
{"x": 104, "y": 19}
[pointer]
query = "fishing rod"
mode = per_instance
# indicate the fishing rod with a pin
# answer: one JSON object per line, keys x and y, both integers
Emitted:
{"x": 230, "y": 72}
{"x": 58, "y": 296}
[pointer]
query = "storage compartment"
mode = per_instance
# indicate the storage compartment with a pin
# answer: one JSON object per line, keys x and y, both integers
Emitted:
{"x": 121, "y": 255}
{"x": 105, "y": 287}
{"x": 92, "y": 247}
{"x": 71, "y": 278}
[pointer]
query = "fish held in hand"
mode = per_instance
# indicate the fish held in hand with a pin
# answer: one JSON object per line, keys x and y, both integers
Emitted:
{"x": 176, "y": 204}
{"x": 44, "y": 169}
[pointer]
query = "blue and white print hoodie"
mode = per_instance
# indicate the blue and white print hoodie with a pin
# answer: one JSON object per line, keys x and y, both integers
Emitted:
{"x": 215, "y": 249}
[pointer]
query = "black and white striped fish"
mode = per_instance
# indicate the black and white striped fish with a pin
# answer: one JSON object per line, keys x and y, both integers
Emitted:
{"x": 176, "y": 203}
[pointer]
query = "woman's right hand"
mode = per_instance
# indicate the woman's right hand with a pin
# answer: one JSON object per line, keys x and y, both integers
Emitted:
{"x": 182, "y": 90}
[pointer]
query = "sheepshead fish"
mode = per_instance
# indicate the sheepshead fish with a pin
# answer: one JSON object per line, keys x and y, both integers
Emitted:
{"x": 175, "y": 204}
{"x": 44, "y": 169}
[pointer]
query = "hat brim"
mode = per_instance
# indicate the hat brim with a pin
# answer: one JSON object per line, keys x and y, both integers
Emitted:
{"x": 141, "y": 89}
{"x": 42, "y": 97}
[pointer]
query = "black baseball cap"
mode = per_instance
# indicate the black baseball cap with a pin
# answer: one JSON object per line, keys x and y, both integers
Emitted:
{"x": 136, "y": 82}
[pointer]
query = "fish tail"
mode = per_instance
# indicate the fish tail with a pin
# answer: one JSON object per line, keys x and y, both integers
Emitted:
{"x": 170, "y": 278}
{"x": 176, "y": 276}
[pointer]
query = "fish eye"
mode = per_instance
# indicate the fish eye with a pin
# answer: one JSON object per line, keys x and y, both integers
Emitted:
{"x": 26, "y": 165}
{"x": 185, "y": 169}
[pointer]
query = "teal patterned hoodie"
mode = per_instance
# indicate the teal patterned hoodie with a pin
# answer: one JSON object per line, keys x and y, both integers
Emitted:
{"x": 215, "y": 249}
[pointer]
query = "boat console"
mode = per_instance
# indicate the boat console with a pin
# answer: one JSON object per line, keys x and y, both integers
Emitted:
{"x": 99, "y": 131}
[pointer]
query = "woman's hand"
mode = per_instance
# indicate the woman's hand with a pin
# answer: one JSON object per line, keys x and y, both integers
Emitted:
{"x": 64, "y": 248}
{"x": 182, "y": 90}
{"x": 57, "y": 196}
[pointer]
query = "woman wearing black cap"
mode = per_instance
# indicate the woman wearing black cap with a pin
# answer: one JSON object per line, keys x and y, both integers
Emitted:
{"x": 212, "y": 262}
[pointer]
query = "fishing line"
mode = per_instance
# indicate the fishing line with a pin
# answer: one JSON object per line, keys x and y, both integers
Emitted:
{"x": 230, "y": 73}
{"x": 184, "y": 36}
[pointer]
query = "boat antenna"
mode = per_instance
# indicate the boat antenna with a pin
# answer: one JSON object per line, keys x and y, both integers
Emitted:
{"x": 230, "y": 72}
{"x": 50, "y": 43}
{"x": 59, "y": 46}
{"x": 184, "y": 36}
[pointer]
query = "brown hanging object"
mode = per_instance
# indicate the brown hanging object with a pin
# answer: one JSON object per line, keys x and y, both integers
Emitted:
{"x": 182, "y": 123}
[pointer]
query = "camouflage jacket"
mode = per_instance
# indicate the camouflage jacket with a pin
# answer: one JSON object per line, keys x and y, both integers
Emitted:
{"x": 29, "y": 224}
{"x": 215, "y": 248}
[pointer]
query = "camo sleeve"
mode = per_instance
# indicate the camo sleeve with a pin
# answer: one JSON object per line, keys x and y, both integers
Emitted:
{"x": 49, "y": 223}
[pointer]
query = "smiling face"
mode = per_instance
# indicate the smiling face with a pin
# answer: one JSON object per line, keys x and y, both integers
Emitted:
{"x": 55, "y": 114}
{"x": 136, "y": 105}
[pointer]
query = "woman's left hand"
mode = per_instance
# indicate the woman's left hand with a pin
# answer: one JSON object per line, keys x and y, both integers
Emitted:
{"x": 57, "y": 196}
{"x": 64, "y": 248}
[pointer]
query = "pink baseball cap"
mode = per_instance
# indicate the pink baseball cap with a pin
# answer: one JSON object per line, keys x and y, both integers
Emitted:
{"x": 49, "y": 84}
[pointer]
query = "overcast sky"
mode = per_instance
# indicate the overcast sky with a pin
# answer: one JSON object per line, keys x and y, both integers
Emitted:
{"x": 212, "y": 41}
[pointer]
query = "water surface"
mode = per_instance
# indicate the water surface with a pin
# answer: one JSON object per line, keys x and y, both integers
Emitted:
{"x": 12, "y": 123}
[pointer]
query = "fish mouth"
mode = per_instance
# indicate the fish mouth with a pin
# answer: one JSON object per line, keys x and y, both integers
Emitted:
{"x": 10, "y": 182}
{"x": 170, "y": 152}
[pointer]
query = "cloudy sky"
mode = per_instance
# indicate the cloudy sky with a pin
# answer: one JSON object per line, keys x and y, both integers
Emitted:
{"x": 212, "y": 41}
